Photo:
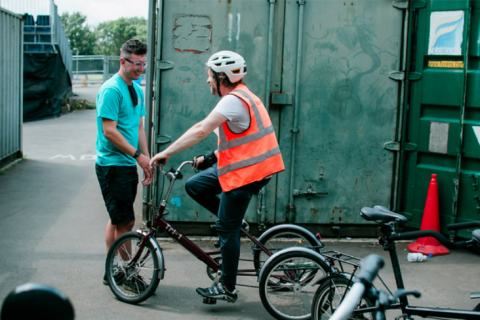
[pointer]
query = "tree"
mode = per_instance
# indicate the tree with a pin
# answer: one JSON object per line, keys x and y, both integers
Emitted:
{"x": 80, "y": 37}
{"x": 112, "y": 34}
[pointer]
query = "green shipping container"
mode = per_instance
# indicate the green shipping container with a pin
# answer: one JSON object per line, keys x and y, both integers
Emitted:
{"x": 359, "y": 102}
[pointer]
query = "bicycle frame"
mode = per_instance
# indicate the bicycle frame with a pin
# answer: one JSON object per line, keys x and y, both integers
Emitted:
{"x": 205, "y": 256}
{"x": 389, "y": 245}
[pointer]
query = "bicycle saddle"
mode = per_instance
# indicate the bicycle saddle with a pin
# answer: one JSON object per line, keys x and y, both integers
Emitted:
{"x": 380, "y": 213}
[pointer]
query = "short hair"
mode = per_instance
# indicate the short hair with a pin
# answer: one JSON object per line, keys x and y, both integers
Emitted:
{"x": 223, "y": 79}
{"x": 133, "y": 46}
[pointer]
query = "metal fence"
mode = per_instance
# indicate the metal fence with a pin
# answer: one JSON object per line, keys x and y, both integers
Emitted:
{"x": 11, "y": 86}
{"x": 95, "y": 69}
{"x": 43, "y": 29}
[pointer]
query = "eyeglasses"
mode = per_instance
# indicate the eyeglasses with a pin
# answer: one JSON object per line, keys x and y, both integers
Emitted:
{"x": 137, "y": 64}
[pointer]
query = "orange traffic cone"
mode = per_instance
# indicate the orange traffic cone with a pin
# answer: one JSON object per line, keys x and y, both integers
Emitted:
{"x": 430, "y": 221}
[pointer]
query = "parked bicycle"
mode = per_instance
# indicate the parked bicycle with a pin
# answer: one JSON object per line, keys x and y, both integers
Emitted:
{"x": 332, "y": 290}
{"x": 135, "y": 263}
{"x": 363, "y": 287}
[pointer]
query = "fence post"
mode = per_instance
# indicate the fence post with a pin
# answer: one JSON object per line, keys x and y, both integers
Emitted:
{"x": 105, "y": 68}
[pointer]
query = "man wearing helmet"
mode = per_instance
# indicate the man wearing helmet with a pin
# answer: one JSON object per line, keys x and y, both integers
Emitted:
{"x": 247, "y": 154}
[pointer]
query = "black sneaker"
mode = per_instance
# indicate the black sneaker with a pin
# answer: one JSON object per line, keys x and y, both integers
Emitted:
{"x": 218, "y": 292}
{"x": 118, "y": 276}
{"x": 136, "y": 285}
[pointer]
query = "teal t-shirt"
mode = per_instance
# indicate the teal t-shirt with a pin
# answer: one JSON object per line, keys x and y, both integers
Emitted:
{"x": 114, "y": 103}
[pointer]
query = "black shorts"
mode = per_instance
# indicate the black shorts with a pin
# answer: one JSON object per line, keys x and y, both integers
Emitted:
{"x": 119, "y": 189}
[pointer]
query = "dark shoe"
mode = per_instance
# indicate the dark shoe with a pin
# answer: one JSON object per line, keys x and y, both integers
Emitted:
{"x": 217, "y": 244}
{"x": 218, "y": 292}
{"x": 118, "y": 276}
{"x": 136, "y": 285}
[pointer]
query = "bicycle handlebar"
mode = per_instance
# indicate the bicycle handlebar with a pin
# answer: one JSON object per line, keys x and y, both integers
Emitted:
{"x": 369, "y": 268}
{"x": 368, "y": 271}
{"x": 350, "y": 303}
{"x": 464, "y": 225}
{"x": 178, "y": 169}
{"x": 429, "y": 233}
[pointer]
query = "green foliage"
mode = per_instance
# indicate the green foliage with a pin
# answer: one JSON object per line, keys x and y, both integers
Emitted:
{"x": 79, "y": 35}
{"x": 107, "y": 38}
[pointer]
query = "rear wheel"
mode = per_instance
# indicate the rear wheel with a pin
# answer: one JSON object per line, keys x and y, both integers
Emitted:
{"x": 281, "y": 239}
{"x": 329, "y": 295}
{"x": 132, "y": 281}
{"x": 287, "y": 284}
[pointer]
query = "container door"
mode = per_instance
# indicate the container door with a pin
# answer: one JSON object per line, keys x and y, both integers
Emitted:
{"x": 337, "y": 57}
{"x": 189, "y": 32}
{"x": 444, "y": 113}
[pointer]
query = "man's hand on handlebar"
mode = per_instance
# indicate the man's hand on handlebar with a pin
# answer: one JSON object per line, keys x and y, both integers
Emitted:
{"x": 160, "y": 159}
{"x": 203, "y": 162}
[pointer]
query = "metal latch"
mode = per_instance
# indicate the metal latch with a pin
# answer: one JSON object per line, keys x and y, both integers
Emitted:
{"x": 309, "y": 192}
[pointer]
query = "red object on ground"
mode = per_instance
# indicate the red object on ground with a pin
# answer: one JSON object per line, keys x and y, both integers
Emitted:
{"x": 430, "y": 221}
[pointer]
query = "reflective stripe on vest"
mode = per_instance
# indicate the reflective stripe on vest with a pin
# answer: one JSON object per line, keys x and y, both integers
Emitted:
{"x": 249, "y": 162}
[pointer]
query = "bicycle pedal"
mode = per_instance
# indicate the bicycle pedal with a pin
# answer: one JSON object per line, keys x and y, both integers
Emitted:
{"x": 209, "y": 300}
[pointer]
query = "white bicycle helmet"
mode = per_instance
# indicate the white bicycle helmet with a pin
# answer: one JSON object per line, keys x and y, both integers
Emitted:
{"x": 230, "y": 63}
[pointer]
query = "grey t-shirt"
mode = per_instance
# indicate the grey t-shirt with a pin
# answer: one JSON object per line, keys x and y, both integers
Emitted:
{"x": 236, "y": 111}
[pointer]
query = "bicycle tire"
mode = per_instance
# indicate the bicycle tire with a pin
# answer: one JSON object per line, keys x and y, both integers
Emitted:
{"x": 280, "y": 239}
{"x": 136, "y": 283}
{"x": 330, "y": 293}
{"x": 287, "y": 282}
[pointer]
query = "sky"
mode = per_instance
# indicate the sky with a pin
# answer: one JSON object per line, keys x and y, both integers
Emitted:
{"x": 98, "y": 11}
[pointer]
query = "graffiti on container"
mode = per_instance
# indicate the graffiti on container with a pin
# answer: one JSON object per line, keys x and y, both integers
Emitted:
{"x": 192, "y": 33}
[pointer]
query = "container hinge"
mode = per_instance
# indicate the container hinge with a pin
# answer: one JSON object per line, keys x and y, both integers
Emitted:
{"x": 309, "y": 192}
{"x": 418, "y": 4}
{"x": 164, "y": 65}
{"x": 414, "y": 76}
{"x": 413, "y": 4}
{"x": 290, "y": 212}
{"x": 400, "y": 75}
{"x": 395, "y": 146}
{"x": 162, "y": 139}
{"x": 475, "y": 181}
{"x": 282, "y": 99}
{"x": 396, "y": 75}
{"x": 400, "y": 4}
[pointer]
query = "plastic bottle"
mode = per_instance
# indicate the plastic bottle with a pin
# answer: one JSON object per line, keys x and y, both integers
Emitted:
{"x": 416, "y": 257}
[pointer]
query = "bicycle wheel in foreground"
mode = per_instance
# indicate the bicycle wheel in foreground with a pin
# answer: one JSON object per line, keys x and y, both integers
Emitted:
{"x": 280, "y": 239}
{"x": 287, "y": 284}
{"x": 330, "y": 293}
{"x": 132, "y": 282}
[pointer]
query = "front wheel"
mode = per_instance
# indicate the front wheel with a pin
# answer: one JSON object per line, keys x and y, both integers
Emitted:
{"x": 287, "y": 284}
{"x": 132, "y": 281}
{"x": 329, "y": 295}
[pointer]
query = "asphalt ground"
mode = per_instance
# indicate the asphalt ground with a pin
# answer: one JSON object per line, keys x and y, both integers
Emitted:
{"x": 52, "y": 224}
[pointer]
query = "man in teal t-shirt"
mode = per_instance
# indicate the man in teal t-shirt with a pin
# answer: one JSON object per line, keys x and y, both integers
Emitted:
{"x": 122, "y": 142}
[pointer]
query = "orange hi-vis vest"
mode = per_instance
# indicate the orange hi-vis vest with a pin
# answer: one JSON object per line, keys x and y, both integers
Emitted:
{"x": 252, "y": 155}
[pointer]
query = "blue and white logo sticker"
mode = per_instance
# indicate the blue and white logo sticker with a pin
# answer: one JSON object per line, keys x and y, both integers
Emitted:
{"x": 446, "y": 33}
